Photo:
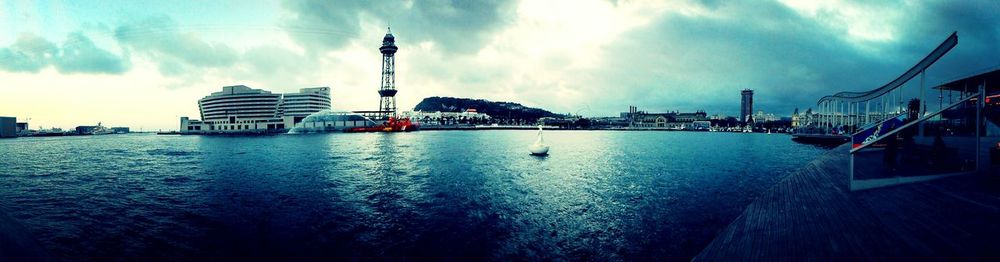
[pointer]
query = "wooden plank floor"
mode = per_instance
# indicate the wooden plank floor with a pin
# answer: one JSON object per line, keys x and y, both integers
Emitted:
{"x": 811, "y": 216}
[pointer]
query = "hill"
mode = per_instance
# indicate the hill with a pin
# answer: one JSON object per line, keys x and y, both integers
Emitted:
{"x": 493, "y": 109}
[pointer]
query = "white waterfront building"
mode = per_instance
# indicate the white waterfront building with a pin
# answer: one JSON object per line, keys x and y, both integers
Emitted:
{"x": 437, "y": 117}
{"x": 241, "y": 109}
{"x": 306, "y": 102}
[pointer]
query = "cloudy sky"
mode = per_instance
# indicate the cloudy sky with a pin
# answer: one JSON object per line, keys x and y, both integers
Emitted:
{"x": 145, "y": 63}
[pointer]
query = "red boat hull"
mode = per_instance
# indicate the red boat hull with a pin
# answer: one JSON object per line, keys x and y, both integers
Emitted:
{"x": 393, "y": 125}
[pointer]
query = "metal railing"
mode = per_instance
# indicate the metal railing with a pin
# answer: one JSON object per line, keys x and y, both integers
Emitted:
{"x": 940, "y": 144}
{"x": 846, "y": 111}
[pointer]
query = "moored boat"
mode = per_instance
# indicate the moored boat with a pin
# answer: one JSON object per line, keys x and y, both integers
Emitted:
{"x": 392, "y": 125}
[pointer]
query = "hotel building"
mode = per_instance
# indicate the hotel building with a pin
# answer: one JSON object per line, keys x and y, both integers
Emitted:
{"x": 241, "y": 109}
{"x": 746, "y": 105}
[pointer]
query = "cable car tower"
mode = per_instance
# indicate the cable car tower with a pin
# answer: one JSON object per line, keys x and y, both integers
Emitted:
{"x": 387, "y": 105}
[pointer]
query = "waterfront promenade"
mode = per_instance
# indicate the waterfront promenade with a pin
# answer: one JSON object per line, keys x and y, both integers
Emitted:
{"x": 812, "y": 216}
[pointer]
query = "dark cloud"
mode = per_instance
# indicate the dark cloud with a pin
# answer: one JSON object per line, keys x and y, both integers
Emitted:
{"x": 689, "y": 62}
{"x": 692, "y": 62}
{"x": 175, "y": 51}
{"x": 978, "y": 27}
{"x": 678, "y": 61}
{"x": 29, "y": 53}
{"x": 457, "y": 26}
{"x": 79, "y": 54}
{"x": 180, "y": 51}
{"x": 278, "y": 68}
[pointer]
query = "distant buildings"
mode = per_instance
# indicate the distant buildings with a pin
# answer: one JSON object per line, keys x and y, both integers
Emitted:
{"x": 241, "y": 109}
{"x": 8, "y": 127}
{"x": 746, "y": 105}
{"x": 22, "y": 127}
{"x": 86, "y": 130}
{"x": 691, "y": 117}
{"x": 796, "y": 119}
{"x": 469, "y": 116}
{"x": 637, "y": 118}
{"x": 765, "y": 117}
{"x": 99, "y": 130}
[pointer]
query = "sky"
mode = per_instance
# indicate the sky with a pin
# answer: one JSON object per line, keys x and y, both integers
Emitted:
{"x": 143, "y": 64}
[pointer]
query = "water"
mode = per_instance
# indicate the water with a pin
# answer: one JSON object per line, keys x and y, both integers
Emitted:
{"x": 442, "y": 195}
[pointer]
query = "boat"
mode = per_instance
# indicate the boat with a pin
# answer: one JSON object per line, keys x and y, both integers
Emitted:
{"x": 392, "y": 125}
{"x": 539, "y": 148}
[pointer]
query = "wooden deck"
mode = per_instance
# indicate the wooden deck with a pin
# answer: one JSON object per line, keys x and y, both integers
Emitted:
{"x": 811, "y": 216}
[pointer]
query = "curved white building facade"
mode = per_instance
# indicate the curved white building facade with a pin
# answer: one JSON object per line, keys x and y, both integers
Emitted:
{"x": 241, "y": 109}
{"x": 306, "y": 102}
{"x": 239, "y": 103}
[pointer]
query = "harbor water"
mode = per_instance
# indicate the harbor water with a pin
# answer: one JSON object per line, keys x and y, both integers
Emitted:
{"x": 439, "y": 195}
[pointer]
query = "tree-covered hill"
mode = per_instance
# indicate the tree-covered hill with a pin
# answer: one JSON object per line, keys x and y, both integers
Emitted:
{"x": 502, "y": 110}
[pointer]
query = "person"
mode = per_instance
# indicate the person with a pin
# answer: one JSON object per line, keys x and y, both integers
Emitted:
{"x": 909, "y": 144}
{"x": 938, "y": 149}
{"x": 891, "y": 150}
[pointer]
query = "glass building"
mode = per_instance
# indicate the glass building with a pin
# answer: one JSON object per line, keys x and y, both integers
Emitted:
{"x": 331, "y": 121}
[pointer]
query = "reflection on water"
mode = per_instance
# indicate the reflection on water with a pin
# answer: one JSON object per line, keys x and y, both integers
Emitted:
{"x": 424, "y": 195}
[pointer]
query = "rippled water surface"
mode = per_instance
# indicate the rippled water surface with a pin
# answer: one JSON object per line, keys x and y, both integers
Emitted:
{"x": 454, "y": 195}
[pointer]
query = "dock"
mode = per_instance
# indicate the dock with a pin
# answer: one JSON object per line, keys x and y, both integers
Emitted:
{"x": 821, "y": 139}
{"x": 812, "y": 216}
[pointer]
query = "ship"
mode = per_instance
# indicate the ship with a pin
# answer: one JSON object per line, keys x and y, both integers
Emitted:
{"x": 392, "y": 125}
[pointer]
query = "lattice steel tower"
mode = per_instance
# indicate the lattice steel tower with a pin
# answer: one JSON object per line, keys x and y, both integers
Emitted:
{"x": 388, "y": 90}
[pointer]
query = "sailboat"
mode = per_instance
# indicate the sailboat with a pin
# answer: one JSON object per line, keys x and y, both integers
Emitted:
{"x": 539, "y": 148}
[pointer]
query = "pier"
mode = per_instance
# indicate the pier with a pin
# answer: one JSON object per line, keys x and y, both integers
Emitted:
{"x": 813, "y": 216}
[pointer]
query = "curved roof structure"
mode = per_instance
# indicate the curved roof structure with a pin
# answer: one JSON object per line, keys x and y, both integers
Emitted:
{"x": 938, "y": 52}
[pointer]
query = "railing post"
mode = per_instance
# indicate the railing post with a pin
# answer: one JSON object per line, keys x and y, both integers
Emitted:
{"x": 923, "y": 102}
{"x": 980, "y": 105}
{"x": 850, "y": 170}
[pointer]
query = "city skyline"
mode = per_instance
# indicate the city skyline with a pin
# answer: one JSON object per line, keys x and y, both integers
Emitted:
{"x": 144, "y": 64}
